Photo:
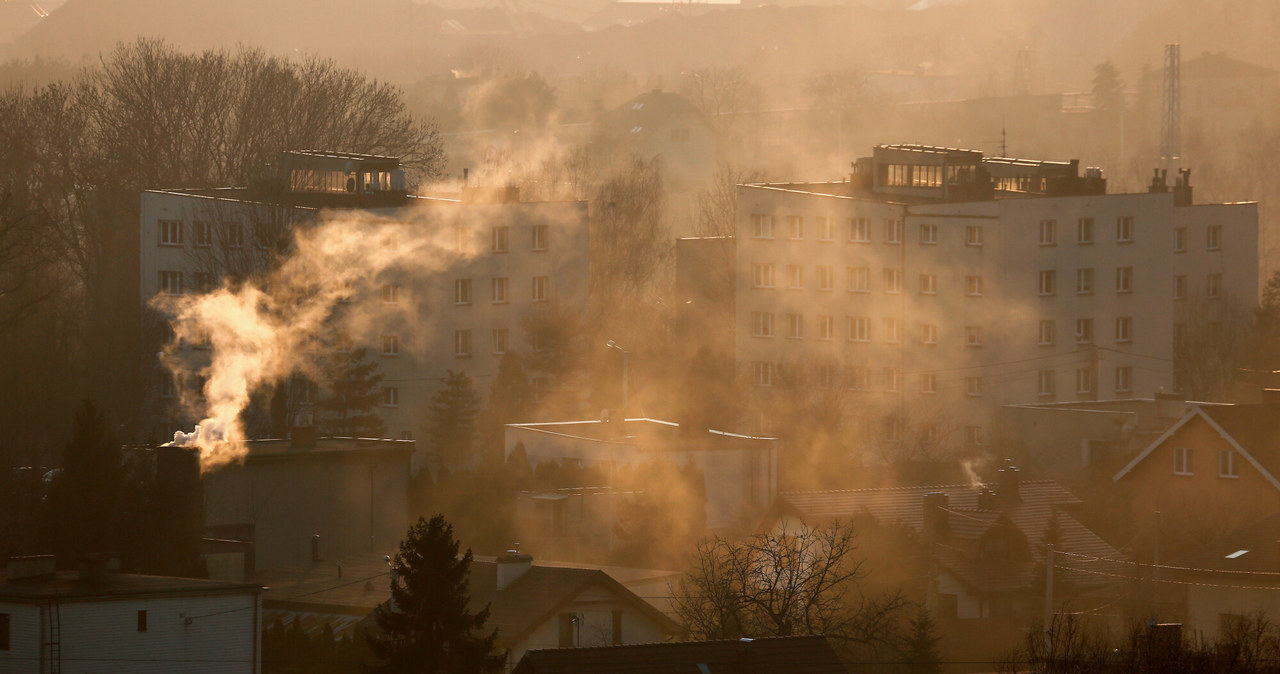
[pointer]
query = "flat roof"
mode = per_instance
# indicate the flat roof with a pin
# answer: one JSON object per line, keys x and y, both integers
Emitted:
{"x": 69, "y": 585}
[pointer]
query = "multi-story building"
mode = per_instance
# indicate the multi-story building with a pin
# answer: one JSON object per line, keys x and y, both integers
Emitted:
{"x": 482, "y": 262}
{"x": 935, "y": 285}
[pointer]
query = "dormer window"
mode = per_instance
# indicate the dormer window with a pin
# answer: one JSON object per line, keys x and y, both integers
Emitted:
{"x": 1182, "y": 461}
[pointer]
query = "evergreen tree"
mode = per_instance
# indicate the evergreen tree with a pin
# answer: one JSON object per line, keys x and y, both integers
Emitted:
{"x": 510, "y": 401}
{"x": 83, "y": 508}
{"x": 1108, "y": 88}
{"x": 355, "y": 394}
{"x": 427, "y": 625}
{"x": 451, "y": 419}
{"x": 921, "y": 652}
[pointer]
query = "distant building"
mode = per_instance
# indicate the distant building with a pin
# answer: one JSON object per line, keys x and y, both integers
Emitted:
{"x": 936, "y": 285}
{"x": 666, "y": 126}
{"x": 1223, "y": 97}
{"x": 500, "y": 260}
{"x": 799, "y": 655}
{"x": 295, "y": 503}
{"x": 98, "y": 620}
{"x": 1227, "y": 581}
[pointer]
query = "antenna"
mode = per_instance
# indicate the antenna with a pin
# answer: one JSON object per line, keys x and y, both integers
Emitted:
{"x": 1171, "y": 108}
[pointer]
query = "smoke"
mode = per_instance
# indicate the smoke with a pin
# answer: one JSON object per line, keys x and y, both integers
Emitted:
{"x": 260, "y": 331}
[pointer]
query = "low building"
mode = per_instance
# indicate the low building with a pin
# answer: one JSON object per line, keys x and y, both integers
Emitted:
{"x": 799, "y": 655}
{"x": 1228, "y": 582}
{"x": 298, "y": 502}
{"x": 97, "y": 620}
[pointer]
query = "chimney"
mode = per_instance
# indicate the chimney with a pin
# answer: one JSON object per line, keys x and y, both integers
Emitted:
{"x": 511, "y": 566}
{"x": 315, "y": 547}
{"x": 987, "y": 500}
{"x": 1008, "y": 483}
{"x": 1182, "y": 188}
{"x": 97, "y": 567}
{"x": 30, "y": 566}
{"x": 1158, "y": 182}
{"x": 936, "y": 521}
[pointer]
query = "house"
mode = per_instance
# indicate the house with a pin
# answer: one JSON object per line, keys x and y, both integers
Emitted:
{"x": 934, "y": 286}
{"x": 103, "y": 621}
{"x": 1228, "y": 581}
{"x": 800, "y": 655}
{"x": 1213, "y": 471}
{"x": 665, "y": 126}
{"x": 986, "y": 546}
{"x": 293, "y": 502}
{"x": 739, "y": 472}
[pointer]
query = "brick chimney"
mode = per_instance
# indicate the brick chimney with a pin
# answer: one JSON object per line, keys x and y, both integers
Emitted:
{"x": 511, "y": 566}
{"x": 1007, "y": 483}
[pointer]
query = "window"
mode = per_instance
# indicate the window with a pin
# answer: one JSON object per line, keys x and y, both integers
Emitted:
{"x": 973, "y": 285}
{"x": 617, "y": 628}
{"x": 973, "y": 235}
{"x": 859, "y": 329}
{"x": 1180, "y": 239}
{"x": 501, "y": 339}
{"x": 142, "y": 621}
{"x": 203, "y": 233}
{"x": 892, "y": 379}
{"x": 972, "y": 335}
{"x": 824, "y": 229}
{"x": 893, "y": 231}
{"x": 1124, "y": 279}
{"x": 1124, "y": 379}
{"x": 892, "y": 429}
{"x": 973, "y": 435}
{"x": 235, "y": 234}
{"x": 762, "y": 226}
{"x": 1047, "y": 332}
{"x": 171, "y": 282}
{"x": 1084, "y": 280}
{"x": 1048, "y": 232}
{"x": 929, "y": 433}
{"x": 1227, "y": 463}
{"x": 499, "y": 238}
{"x": 1213, "y": 286}
{"x": 390, "y": 396}
{"x": 795, "y": 276}
{"x": 859, "y": 279}
{"x": 1124, "y": 229}
{"x": 859, "y": 230}
{"x": 763, "y": 373}
{"x": 1084, "y": 330}
{"x": 204, "y": 281}
{"x": 539, "y": 237}
{"x": 763, "y": 274}
{"x": 538, "y": 292}
{"x": 1084, "y": 380}
{"x": 460, "y": 238}
{"x": 568, "y": 621}
{"x": 1213, "y": 237}
{"x": 680, "y": 135}
{"x": 973, "y": 386}
{"x": 761, "y": 324}
{"x": 462, "y": 343}
{"x": 826, "y": 327}
{"x": 1045, "y": 379}
{"x": 499, "y": 290}
{"x": 928, "y": 284}
{"x": 390, "y": 293}
{"x": 928, "y": 234}
{"x": 1084, "y": 231}
{"x": 1181, "y": 460}
{"x": 1124, "y": 329}
{"x": 390, "y": 345}
{"x": 795, "y": 326}
{"x": 892, "y": 330}
{"x": 892, "y": 280}
{"x": 859, "y": 378}
{"x": 170, "y": 232}
{"x": 929, "y": 333}
{"x": 824, "y": 375}
{"x": 1180, "y": 287}
{"x": 1048, "y": 281}
{"x": 462, "y": 291}
{"x": 928, "y": 383}
{"x": 795, "y": 227}
{"x": 826, "y": 278}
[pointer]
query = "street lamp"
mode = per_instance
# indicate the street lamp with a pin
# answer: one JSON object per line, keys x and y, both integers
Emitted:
{"x": 625, "y": 358}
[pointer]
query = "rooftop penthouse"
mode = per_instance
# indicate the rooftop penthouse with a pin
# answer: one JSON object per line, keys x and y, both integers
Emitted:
{"x": 334, "y": 179}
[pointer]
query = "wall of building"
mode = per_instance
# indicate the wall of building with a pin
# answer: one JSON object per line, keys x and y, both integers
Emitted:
{"x": 595, "y": 605}
{"x": 1206, "y": 605}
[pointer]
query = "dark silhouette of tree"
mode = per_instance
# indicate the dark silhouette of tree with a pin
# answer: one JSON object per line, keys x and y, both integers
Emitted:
{"x": 510, "y": 401}
{"x": 82, "y": 516}
{"x": 353, "y": 382}
{"x": 920, "y": 650}
{"x": 1108, "y": 88}
{"x": 451, "y": 419}
{"x": 427, "y": 626}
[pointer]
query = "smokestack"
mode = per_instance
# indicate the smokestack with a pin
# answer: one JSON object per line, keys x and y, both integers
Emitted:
{"x": 511, "y": 566}
{"x": 936, "y": 522}
{"x": 1008, "y": 483}
{"x": 180, "y": 490}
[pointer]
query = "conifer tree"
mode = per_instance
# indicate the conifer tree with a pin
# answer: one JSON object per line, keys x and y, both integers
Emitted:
{"x": 355, "y": 393}
{"x": 510, "y": 401}
{"x": 922, "y": 655}
{"x": 451, "y": 419}
{"x": 427, "y": 626}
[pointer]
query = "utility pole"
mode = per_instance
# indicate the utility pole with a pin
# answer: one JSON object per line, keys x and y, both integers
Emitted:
{"x": 1155, "y": 572}
{"x": 1048, "y": 604}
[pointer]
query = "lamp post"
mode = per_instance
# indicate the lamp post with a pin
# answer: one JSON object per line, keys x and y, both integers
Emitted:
{"x": 626, "y": 357}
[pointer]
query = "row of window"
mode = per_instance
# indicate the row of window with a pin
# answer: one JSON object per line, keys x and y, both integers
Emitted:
{"x": 857, "y": 279}
{"x": 500, "y": 238}
{"x": 857, "y": 328}
{"x": 1122, "y": 383}
{"x": 498, "y": 287}
{"x": 1085, "y": 281}
{"x": 1226, "y": 462}
{"x": 1084, "y": 333}
{"x": 203, "y": 233}
{"x": 768, "y": 374}
{"x": 1212, "y": 287}
{"x": 172, "y": 283}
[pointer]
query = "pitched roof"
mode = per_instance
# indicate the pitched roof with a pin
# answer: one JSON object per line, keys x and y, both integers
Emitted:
{"x": 68, "y": 585}
{"x": 1252, "y": 430}
{"x": 1251, "y": 549}
{"x": 1214, "y": 65}
{"x": 799, "y": 655}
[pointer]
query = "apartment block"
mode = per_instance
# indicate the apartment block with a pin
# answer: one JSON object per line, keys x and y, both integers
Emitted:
{"x": 934, "y": 285}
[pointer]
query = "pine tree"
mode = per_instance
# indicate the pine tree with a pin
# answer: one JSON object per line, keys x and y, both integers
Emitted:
{"x": 355, "y": 393}
{"x": 427, "y": 625}
{"x": 451, "y": 419}
{"x": 82, "y": 514}
{"x": 510, "y": 401}
{"x": 921, "y": 649}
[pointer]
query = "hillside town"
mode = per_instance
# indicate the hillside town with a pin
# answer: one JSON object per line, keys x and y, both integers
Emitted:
{"x": 562, "y": 351}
